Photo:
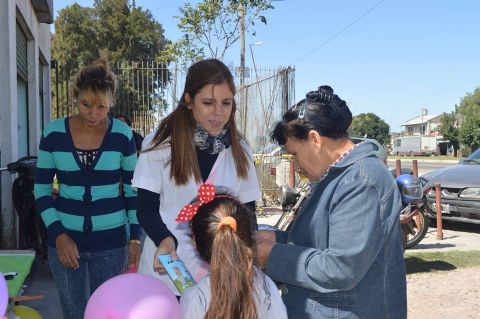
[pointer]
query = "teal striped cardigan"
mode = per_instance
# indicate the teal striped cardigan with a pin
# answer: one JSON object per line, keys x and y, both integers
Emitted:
{"x": 91, "y": 207}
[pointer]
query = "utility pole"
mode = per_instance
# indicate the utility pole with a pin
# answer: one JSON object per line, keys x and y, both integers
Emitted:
{"x": 242, "y": 68}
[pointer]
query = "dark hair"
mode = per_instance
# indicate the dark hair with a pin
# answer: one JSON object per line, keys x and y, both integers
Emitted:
{"x": 230, "y": 255}
{"x": 180, "y": 124}
{"x": 321, "y": 111}
{"x": 96, "y": 77}
{"x": 125, "y": 118}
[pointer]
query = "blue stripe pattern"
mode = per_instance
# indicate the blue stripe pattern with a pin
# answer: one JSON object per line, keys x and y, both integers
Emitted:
{"x": 93, "y": 204}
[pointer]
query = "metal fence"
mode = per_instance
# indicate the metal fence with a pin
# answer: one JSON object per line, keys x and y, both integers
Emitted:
{"x": 143, "y": 90}
{"x": 147, "y": 91}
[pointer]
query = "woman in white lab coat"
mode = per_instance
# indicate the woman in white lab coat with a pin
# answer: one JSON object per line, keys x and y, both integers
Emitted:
{"x": 197, "y": 143}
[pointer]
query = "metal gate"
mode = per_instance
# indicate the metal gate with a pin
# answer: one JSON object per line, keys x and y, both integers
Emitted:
{"x": 142, "y": 93}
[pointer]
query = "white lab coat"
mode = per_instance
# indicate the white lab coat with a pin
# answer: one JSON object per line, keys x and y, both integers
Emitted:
{"x": 153, "y": 173}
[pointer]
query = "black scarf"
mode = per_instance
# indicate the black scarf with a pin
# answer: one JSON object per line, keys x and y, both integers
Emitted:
{"x": 212, "y": 144}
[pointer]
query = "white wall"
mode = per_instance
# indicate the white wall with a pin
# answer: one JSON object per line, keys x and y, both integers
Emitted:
{"x": 39, "y": 44}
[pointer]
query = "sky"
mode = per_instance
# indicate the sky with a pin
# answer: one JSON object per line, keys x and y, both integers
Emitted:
{"x": 389, "y": 57}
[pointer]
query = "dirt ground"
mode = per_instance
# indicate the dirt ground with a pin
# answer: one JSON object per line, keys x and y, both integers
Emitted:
{"x": 451, "y": 294}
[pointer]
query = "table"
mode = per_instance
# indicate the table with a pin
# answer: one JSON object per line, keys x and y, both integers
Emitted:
{"x": 17, "y": 261}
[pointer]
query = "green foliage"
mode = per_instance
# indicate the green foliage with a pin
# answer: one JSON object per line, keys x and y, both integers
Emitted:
{"x": 372, "y": 126}
{"x": 121, "y": 30}
{"x": 469, "y": 111}
{"x": 72, "y": 42}
{"x": 449, "y": 128}
{"x": 211, "y": 27}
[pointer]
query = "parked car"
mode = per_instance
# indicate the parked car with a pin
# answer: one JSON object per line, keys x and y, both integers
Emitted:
{"x": 460, "y": 185}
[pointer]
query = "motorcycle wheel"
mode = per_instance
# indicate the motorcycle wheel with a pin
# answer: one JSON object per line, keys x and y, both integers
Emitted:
{"x": 416, "y": 229}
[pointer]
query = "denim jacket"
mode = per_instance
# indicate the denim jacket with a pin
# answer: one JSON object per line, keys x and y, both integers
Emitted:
{"x": 343, "y": 256}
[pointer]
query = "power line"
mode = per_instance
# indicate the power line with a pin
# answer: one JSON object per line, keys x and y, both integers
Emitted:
{"x": 431, "y": 96}
{"x": 339, "y": 32}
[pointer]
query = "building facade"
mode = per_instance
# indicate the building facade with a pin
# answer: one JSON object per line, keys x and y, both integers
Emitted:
{"x": 423, "y": 124}
{"x": 25, "y": 48}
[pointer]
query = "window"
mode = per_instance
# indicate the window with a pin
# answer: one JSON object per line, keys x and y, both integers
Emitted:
{"x": 22, "y": 92}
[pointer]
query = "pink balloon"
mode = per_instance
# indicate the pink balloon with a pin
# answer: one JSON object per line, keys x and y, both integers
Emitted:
{"x": 3, "y": 295}
{"x": 132, "y": 296}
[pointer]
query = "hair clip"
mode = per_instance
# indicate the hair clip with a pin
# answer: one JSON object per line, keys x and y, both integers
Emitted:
{"x": 303, "y": 110}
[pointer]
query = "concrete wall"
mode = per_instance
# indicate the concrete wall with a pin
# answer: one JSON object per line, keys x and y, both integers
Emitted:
{"x": 38, "y": 48}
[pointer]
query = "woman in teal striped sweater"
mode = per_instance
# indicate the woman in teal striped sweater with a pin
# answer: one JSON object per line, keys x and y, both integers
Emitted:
{"x": 93, "y": 159}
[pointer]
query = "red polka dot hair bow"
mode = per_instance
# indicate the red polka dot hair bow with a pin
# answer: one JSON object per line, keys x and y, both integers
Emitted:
{"x": 206, "y": 193}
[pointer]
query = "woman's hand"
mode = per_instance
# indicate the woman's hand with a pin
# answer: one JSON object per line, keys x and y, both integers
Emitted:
{"x": 166, "y": 247}
{"x": 265, "y": 235}
{"x": 264, "y": 241}
{"x": 67, "y": 251}
{"x": 133, "y": 255}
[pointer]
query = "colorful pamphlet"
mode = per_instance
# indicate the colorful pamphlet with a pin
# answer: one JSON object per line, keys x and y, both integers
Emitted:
{"x": 178, "y": 273}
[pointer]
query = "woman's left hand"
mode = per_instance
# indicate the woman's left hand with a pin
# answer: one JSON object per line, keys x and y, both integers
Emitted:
{"x": 264, "y": 248}
{"x": 133, "y": 255}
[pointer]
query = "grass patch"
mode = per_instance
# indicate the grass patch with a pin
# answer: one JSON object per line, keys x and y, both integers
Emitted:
{"x": 441, "y": 261}
{"x": 425, "y": 158}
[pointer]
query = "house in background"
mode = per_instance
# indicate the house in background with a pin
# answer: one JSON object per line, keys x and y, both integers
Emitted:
{"x": 421, "y": 137}
{"x": 25, "y": 46}
{"x": 423, "y": 124}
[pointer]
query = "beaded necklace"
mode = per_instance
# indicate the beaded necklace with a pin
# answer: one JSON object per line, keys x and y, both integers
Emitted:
{"x": 338, "y": 160}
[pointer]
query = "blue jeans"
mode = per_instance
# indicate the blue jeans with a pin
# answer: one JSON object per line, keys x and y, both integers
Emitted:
{"x": 75, "y": 286}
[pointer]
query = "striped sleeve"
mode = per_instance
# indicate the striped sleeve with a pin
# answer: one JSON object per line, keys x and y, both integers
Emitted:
{"x": 128, "y": 162}
{"x": 43, "y": 190}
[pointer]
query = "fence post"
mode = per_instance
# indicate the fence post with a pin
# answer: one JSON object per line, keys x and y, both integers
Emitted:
{"x": 415, "y": 168}
{"x": 399, "y": 167}
{"x": 438, "y": 197}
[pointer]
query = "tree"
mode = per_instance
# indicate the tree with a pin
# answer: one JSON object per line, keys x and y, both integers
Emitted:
{"x": 449, "y": 128}
{"x": 371, "y": 126}
{"x": 469, "y": 111}
{"x": 213, "y": 26}
{"x": 119, "y": 28}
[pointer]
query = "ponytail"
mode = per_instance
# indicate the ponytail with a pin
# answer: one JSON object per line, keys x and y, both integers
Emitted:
{"x": 231, "y": 277}
{"x": 227, "y": 245}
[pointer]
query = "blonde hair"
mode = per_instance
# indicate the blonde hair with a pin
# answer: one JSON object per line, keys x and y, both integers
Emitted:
{"x": 97, "y": 79}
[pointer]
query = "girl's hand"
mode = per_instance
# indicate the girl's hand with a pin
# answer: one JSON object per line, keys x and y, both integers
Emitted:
{"x": 166, "y": 247}
{"x": 133, "y": 255}
{"x": 67, "y": 251}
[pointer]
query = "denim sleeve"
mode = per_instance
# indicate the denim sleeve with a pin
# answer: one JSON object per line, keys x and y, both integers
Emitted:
{"x": 281, "y": 236}
{"x": 355, "y": 238}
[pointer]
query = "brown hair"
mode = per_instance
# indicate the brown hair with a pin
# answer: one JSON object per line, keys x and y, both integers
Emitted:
{"x": 180, "y": 124}
{"x": 230, "y": 255}
{"x": 96, "y": 78}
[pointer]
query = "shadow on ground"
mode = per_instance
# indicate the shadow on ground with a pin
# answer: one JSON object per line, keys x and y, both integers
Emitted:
{"x": 418, "y": 265}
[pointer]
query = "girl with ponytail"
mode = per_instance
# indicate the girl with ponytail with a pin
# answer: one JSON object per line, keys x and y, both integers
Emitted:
{"x": 223, "y": 235}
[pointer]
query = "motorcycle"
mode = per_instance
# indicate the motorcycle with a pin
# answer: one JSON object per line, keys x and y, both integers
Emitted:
{"x": 292, "y": 201}
{"x": 413, "y": 216}
{"x": 32, "y": 230}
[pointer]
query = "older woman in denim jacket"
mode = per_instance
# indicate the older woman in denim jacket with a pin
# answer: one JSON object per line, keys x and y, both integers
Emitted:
{"x": 343, "y": 256}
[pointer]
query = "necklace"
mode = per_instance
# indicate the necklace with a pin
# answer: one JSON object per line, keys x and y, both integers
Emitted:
{"x": 338, "y": 160}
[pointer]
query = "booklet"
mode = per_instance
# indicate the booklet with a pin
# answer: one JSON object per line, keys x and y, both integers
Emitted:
{"x": 178, "y": 273}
